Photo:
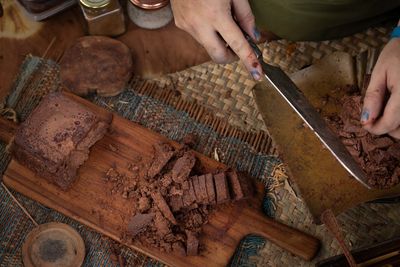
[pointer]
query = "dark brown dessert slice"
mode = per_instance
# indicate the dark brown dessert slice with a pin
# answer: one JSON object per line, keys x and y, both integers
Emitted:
{"x": 203, "y": 198}
{"x": 183, "y": 166}
{"x": 221, "y": 188}
{"x": 162, "y": 154}
{"x": 163, "y": 206}
{"x": 210, "y": 188}
{"x": 54, "y": 141}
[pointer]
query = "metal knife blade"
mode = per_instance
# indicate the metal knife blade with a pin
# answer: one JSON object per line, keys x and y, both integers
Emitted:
{"x": 289, "y": 91}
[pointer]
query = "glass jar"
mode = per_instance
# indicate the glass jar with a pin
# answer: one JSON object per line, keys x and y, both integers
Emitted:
{"x": 103, "y": 17}
{"x": 150, "y": 14}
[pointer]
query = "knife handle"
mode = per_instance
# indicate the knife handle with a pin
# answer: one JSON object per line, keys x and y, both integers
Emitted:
{"x": 253, "y": 45}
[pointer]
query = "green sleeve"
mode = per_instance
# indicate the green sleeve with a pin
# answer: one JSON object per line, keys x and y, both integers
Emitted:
{"x": 321, "y": 19}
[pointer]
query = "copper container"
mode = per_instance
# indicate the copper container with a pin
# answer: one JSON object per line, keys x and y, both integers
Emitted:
{"x": 150, "y": 4}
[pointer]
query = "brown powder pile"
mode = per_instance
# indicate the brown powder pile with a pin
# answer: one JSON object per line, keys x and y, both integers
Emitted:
{"x": 379, "y": 156}
{"x": 173, "y": 198}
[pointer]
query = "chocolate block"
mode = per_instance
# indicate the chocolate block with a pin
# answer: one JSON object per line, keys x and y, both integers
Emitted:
{"x": 163, "y": 207}
{"x": 189, "y": 196}
{"x": 54, "y": 141}
{"x": 203, "y": 198}
{"x": 221, "y": 188}
{"x": 183, "y": 166}
{"x": 139, "y": 223}
{"x": 162, "y": 154}
{"x": 176, "y": 203}
{"x": 240, "y": 186}
{"x": 210, "y": 188}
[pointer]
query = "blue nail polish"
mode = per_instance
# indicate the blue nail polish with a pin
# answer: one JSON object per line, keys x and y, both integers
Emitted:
{"x": 256, "y": 34}
{"x": 364, "y": 115}
{"x": 256, "y": 75}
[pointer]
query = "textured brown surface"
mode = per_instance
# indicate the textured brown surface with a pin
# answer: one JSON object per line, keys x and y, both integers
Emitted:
{"x": 55, "y": 139}
{"x": 96, "y": 64}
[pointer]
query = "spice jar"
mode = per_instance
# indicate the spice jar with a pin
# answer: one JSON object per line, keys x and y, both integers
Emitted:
{"x": 149, "y": 14}
{"x": 103, "y": 17}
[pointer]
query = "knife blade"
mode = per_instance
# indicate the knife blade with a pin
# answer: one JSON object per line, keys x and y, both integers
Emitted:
{"x": 299, "y": 103}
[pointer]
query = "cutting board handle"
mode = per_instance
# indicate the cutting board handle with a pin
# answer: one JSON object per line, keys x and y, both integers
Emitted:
{"x": 7, "y": 130}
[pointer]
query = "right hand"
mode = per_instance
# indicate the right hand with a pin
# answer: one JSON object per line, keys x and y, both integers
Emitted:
{"x": 212, "y": 24}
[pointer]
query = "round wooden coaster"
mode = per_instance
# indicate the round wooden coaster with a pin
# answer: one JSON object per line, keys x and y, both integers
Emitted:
{"x": 53, "y": 244}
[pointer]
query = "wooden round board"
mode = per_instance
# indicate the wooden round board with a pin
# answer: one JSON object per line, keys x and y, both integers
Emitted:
{"x": 53, "y": 244}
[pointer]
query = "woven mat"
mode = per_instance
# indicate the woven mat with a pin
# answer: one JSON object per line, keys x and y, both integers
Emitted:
{"x": 216, "y": 100}
{"x": 227, "y": 90}
{"x": 38, "y": 77}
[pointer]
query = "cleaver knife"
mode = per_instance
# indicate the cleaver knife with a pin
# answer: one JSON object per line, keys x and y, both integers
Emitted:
{"x": 289, "y": 91}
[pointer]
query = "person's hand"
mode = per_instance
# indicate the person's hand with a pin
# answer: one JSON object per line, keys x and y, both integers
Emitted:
{"x": 212, "y": 24}
{"x": 381, "y": 110}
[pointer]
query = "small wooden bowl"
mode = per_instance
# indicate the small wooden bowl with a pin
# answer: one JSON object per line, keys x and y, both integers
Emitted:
{"x": 53, "y": 244}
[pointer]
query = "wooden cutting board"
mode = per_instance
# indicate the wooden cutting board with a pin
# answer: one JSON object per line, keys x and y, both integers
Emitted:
{"x": 90, "y": 202}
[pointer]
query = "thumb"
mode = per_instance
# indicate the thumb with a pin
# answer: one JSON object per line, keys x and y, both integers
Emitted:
{"x": 374, "y": 96}
{"x": 245, "y": 18}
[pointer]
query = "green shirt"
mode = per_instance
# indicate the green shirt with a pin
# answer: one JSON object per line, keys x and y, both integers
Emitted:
{"x": 321, "y": 19}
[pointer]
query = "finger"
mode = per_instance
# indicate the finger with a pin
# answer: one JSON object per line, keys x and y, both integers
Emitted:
{"x": 245, "y": 18}
{"x": 390, "y": 120}
{"x": 215, "y": 46}
{"x": 374, "y": 96}
{"x": 395, "y": 133}
{"x": 232, "y": 34}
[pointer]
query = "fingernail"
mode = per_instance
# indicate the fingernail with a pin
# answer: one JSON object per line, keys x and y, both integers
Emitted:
{"x": 256, "y": 33}
{"x": 256, "y": 75}
{"x": 364, "y": 115}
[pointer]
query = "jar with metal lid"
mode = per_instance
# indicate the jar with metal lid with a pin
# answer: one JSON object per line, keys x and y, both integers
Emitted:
{"x": 103, "y": 17}
{"x": 150, "y": 14}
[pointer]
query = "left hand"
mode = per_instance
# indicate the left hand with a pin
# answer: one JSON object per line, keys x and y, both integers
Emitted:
{"x": 378, "y": 115}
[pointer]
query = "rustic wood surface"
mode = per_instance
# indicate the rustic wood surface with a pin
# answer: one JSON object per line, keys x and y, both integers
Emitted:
{"x": 90, "y": 202}
{"x": 155, "y": 52}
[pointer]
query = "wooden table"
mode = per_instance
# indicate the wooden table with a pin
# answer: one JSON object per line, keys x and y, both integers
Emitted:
{"x": 155, "y": 52}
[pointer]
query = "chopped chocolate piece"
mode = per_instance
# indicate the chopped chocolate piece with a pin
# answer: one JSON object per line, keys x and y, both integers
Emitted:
{"x": 196, "y": 187}
{"x": 221, "y": 188}
{"x": 162, "y": 205}
{"x": 55, "y": 139}
{"x": 210, "y": 188}
{"x": 176, "y": 203}
{"x": 189, "y": 196}
{"x": 178, "y": 248}
{"x": 202, "y": 190}
{"x": 192, "y": 244}
{"x": 162, "y": 154}
{"x": 377, "y": 155}
{"x": 166, "y": 180}
{"x": 240, "y": 185}
{"x": 139, "y": 223}
{"x": 161, "y": 225}
{"x": 183, "y": 166}
{"x": 143, "y": 204}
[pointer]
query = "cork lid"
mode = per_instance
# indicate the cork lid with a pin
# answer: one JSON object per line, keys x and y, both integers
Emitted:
{"x": 150, "y": 4}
